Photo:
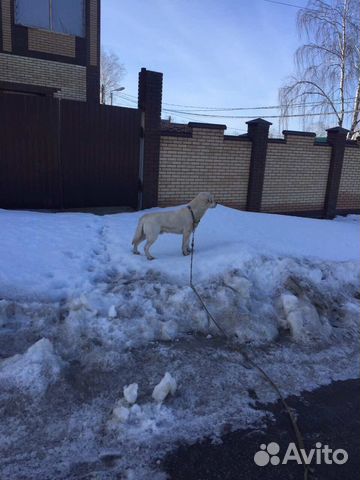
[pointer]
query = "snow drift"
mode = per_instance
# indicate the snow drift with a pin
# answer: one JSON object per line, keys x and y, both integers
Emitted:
{"x": 286, "y": 289}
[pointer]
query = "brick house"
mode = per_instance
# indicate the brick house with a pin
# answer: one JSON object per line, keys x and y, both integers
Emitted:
{"x": 50, "y": 47}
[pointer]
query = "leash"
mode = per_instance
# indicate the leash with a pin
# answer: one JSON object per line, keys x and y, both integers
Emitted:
{"x": 298, "y": 435}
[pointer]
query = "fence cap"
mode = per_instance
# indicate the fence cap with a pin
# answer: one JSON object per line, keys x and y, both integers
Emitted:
{"x": 259, "y": 121}
{"x": 298, "y": 133}
{"x": 342, "y": 130}
{"x": 214, "y": 126}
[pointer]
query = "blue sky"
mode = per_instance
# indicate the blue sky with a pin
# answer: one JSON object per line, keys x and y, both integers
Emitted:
{"x": 212, "y": 53}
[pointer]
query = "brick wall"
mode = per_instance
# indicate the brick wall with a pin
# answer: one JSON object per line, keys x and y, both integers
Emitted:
{"x": 295, "y": 175}
{"x": 94, "y": 32}
{"x": 349, "y": 190}
{"x": 203, "y": 161}
{"x": 6, "y": 25}
{"x": 71, "y": 79}
{"x": 51, "y": 42}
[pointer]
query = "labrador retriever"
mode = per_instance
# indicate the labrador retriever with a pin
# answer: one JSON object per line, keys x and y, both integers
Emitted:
{"x": 182, "y": 221}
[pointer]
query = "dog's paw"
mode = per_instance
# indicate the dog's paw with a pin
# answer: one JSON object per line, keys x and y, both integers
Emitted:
{"x": 186, "y": 252}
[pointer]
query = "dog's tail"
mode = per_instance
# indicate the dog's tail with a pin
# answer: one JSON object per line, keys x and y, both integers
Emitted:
{"x": 139, "y": 231}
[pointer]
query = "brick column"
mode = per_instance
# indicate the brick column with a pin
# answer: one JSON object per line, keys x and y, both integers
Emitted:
{"x": 336, "y": 137}
{"x": 150, "y": 94}
{"x": 93, "y": 50}
{"x": 258, "y": 132}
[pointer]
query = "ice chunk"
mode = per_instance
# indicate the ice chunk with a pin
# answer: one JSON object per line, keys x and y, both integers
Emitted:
{"x": 112, "y": 312}
{"x": 131, "y": 392}
{"x": 32, "y": 371}
{"x": 303, "y": 318}
{"x": 121, "y": 413}
{"x": 167, "y": 385}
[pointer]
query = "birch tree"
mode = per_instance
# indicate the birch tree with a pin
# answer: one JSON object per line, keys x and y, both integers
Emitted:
{"x": 112, "y": 71}
{"x": 327, "y": 78}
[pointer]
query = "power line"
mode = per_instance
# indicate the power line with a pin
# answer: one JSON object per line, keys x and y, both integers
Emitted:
{"x": 263, "y": 116}
{"x": 269, "y": 107}
{"x": 290, "y": 5}
{"x": 191, "y": 119}
{"x": 133, "y": 99}
{"x": 185, "y": 114}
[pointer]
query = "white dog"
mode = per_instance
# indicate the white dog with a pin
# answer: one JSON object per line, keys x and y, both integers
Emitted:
{"x": 182, "y": 221}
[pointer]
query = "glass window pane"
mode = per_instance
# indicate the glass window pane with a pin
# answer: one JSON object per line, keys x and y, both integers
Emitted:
{"x": 69, "y": 17}
{"x": 32, "y": 13}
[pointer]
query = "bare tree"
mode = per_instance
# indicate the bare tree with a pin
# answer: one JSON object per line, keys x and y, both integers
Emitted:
{"x": 327, "y": 79}
{"x": 111, "y": 74}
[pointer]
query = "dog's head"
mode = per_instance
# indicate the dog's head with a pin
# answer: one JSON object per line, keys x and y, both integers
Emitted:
{"x": 207, "y": 199}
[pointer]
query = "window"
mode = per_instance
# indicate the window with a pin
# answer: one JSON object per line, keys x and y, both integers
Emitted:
{"x": 63, "y": 16}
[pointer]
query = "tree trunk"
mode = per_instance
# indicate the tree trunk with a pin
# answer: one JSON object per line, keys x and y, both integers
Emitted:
{"x": 355, "y": 119}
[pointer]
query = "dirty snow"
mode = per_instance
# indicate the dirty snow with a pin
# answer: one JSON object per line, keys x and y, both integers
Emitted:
{"x": 31, "y": 372}
{"x": 81, "y": 318}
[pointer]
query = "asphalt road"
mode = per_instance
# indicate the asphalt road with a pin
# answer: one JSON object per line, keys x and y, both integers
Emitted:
{"x": 330, "y": 415}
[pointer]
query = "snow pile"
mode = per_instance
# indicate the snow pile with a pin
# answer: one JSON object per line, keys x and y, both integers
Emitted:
{"x": 285, "y": 289}
{"x": 33, "y": 371}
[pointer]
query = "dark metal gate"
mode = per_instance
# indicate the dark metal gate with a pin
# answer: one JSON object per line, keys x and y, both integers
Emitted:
{"x": 67, "y": 154}
{"x": 99, "y": 154}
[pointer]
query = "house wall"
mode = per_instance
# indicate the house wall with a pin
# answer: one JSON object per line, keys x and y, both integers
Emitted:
{"x": 204, "y": 161}
{"x": 51, "y": 42}
{"x": 41, "y": 58}
{"x": 71, "y": 79}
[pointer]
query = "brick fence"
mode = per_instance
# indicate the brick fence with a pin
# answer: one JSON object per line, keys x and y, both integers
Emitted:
{"x": 298, "y": 174}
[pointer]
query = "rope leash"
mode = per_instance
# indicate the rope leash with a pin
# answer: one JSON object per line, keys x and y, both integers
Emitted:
{"x": 298, "y": 435}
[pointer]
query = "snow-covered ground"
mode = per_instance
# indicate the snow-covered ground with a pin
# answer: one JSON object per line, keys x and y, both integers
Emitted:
{"x": 81, "y": 318}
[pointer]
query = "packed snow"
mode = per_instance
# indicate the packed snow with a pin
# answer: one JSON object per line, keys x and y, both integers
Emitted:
{"x": 108, "y": 360}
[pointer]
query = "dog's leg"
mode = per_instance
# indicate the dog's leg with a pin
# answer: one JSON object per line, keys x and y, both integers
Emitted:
{"x": 185, "y": 242}
{"x": 136, "y": 243}
{"x": 151, "y": 234}
{"x": 147, "y": 249}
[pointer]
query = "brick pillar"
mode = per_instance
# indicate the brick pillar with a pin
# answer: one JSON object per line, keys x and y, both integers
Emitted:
{"x": 258, "y": 132}
{"x": 93, "y": 50}
{"x": 336, "y": 137}
{"x": 150, "y": 94}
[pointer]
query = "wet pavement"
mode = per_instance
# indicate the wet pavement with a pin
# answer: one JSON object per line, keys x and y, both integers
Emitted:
{"x": 329, "y": 415}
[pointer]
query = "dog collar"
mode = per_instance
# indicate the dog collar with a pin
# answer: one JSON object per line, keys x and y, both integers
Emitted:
{"x": 193, "y": 216}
